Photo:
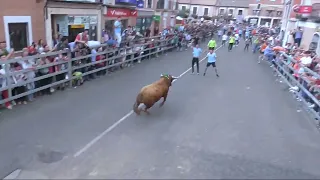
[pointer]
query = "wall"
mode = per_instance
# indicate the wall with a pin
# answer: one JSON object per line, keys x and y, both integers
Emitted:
{"x": 24, "y": 8}
{"x": 267, "y": 2}
{"x": 199, "y": 2}
{"x": 200, "y": 9}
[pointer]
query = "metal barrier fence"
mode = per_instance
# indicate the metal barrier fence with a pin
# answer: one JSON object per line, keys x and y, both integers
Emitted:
{"x": 286, "y": 71}
{"x": 69, "y": 66}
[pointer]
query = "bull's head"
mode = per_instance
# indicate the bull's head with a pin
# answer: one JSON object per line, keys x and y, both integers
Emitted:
{"x": 169, "y": 77}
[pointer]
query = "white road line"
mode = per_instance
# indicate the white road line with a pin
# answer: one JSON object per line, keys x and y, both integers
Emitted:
{"x": 96, "y": 139}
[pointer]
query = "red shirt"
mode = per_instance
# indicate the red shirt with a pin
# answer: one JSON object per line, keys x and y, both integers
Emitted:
{"x": 84, "y": 38}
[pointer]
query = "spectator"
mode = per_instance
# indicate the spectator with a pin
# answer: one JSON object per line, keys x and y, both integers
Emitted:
{"x": 82, "y": 37}
{"x": 19, "y": 77}
{"x": 117, "y": 31}
{"x": 40, "y": 46}
{"x": 3, "y": 83}
{"x": 44, "y": 71}
{"x": 29, "y": 65}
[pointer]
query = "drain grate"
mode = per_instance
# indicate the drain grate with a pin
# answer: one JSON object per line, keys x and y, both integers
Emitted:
{"x": 50, "y": 156}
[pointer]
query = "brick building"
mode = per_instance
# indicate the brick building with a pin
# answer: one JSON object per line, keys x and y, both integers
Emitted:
{"x": 199, "y": 7}
{"x": 22, "y": 22}
{"x": 264, "y": 12}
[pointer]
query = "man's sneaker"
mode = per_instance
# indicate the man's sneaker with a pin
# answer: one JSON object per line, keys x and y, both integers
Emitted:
{"x": 9, "y": 107}
{"x": 197, "y": 73}
{"x": 192, "y": 73}
{"x": 294, "y": 88}
{"x": 204, "y": 74}
{"x": 217, "y": 75}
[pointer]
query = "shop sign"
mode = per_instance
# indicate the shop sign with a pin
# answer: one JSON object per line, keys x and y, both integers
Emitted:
{"x": 116, "y": 12}
{"x": 302, "y": 9}
{"x": 156, "y": 18}
{"x": 134, "y": 2}
{"x": 77, "y": 26}
{"x": 140, "y": 4}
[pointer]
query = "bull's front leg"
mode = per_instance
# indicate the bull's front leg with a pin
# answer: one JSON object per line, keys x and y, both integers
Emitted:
{"x": 164, "y": 99}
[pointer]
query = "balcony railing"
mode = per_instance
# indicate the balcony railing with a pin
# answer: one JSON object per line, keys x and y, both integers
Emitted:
{"x": 167, "y": 5}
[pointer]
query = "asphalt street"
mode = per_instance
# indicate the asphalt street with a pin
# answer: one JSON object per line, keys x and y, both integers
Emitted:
{"x": 240, "y": 125}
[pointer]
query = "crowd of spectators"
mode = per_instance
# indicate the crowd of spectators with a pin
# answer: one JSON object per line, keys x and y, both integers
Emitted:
{"x": 300, "y": 67}
{"x": 53, "y": 62}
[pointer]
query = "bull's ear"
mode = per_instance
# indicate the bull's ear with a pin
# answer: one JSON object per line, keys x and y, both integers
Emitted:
{"x": 161, "y": 75}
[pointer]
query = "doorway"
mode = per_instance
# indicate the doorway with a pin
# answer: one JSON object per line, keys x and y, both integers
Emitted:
{"x": 74, "y": 30}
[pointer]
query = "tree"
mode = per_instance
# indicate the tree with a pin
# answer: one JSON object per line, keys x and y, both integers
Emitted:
{"x": 184, "y": 13}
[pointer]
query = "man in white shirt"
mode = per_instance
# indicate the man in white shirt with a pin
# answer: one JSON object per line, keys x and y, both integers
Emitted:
{"x": 236, "y": 36}
{"x": 224, "y": 39}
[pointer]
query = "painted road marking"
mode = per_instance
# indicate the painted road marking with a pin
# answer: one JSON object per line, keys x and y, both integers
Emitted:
{"x": 113, "y": 126}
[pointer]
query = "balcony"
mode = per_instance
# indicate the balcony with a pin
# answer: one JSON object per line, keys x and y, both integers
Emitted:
{"x": 167, "y": 5}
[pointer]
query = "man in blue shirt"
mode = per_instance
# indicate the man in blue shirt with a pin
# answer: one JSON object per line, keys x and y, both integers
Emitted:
{"x": 195, "y": 60}
{"x": 117, "y": 31}
{"x": 212, "y": 58}
{"x": 268, "y": 53}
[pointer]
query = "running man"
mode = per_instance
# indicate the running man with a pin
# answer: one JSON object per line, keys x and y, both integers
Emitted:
{"x": 224, "y": 39}
{"x": 232, "y": 40}
{"x": 195, "y": 60}
{"x": 212, "y": 58}
{"x": 212, "y": 44}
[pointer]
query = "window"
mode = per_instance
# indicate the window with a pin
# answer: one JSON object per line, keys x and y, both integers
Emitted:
{"x": 221, "y": 11}
{"x": 206, "y": 11}
{"x": 279, "y": 13}
{"x": 194, "y": 10}
{"x": 230, "y": 11}
{"x": 239, "y": 12}
{"x": 18, "y": 35}
{"x": 269, "y": 12}
{"x": 149, "y": 5}
{"x": 184, "y": 8}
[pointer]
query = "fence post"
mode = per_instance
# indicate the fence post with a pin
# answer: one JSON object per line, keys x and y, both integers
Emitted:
{"x": 70, "y": 68}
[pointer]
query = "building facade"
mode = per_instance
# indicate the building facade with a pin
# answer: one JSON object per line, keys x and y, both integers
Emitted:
{"x": 236, "y": 10}
{"x": 265, "y": 12}
{"x": 304, "y": 14}
{"x": 199, "y": 8}
{"x": 21, "y": 22}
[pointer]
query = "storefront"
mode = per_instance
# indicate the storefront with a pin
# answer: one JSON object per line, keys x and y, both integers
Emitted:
{"x": 61, "y": 19}
{"x": 144, "y": 21}
{"x": 71, "y": 26}
{"x": 128, "y": 17}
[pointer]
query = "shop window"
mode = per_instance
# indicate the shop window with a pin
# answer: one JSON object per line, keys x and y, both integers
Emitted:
{"x": 183, "y": 8}
{"x": 240, "y": 12}
{"x": 314, "y": 43}
{"x": 143, "y": 24}
{"x": 18, "y": 35}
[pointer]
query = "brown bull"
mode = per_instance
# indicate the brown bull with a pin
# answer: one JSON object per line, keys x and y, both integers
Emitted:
{"x": 152, "y": 93}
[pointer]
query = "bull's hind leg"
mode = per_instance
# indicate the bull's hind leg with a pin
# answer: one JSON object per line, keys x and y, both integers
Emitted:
{"x": 146, "y": 111}
{"x": 164, "y": 99}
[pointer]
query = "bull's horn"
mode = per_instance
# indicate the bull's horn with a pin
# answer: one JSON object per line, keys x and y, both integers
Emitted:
{"x": 174, "y": 77}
